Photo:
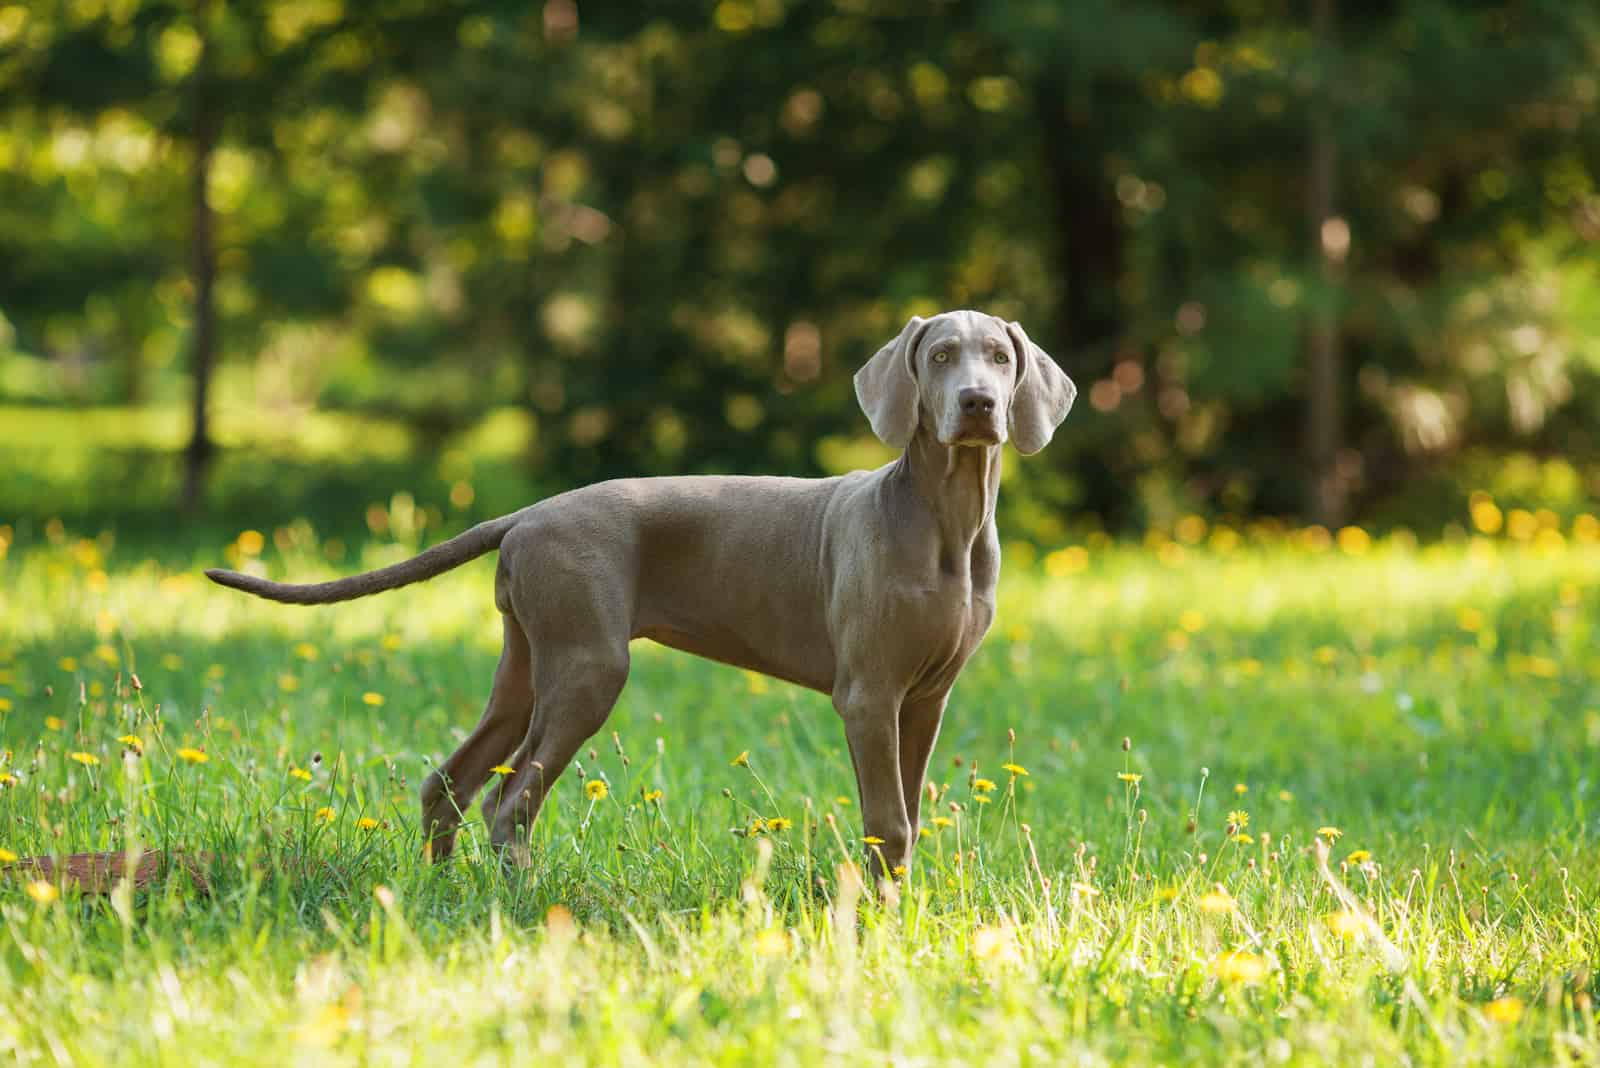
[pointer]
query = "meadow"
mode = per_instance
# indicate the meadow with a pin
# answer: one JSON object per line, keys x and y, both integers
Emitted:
{"x": 1226, "y": 795}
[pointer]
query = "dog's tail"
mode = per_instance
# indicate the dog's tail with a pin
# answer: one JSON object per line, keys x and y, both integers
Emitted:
{"x": 485, "y": 537}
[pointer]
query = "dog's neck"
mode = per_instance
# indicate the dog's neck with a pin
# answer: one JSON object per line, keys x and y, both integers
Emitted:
{"x": 960, "y": 485}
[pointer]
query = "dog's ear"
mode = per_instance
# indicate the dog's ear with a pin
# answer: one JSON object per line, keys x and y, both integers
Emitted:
{"x": 886, "y": 387}
{"x": 1043, "y": 395}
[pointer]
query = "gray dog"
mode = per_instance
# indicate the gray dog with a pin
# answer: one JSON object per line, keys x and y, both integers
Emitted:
{"x": 874, "y": 587}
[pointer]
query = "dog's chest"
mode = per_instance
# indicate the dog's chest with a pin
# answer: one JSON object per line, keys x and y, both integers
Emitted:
{"x": 950, "y": 625}
{"x": 977, "y": 619}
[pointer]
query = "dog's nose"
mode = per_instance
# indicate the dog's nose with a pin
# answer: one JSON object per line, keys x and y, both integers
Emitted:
{"x": 974, "y": 400}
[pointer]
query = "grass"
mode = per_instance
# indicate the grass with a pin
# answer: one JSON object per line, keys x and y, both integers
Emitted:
{"x": 1430, "y": 715}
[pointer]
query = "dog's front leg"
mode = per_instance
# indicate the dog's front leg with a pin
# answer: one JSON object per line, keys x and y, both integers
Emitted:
{"x": 919, "y": 730}
{"x": 872, "y": 730}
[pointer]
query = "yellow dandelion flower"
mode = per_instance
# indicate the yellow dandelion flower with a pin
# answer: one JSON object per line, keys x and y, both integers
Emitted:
{"x": 288, "y": 683}
{"x": 193, "y": 756}
{"x": 502, "y": 769}
{"x": 1332, "y": 834}
{"x": 1504, "y": 1010}
{"x": 1239, "y": 967}
{"x": 843, "y": 800}
{"x": 1130, "y": 776}
{"x": 1344, "y": 923}
{"x": 7, "y": 779}
{"x": 757, "y": 826}
{"x": 132, "y": 741}
{"x": 1285, "y": 795}
{"x": 1486, "y": 515}
{"x": 942, "y": 821}
{"x": 88, "y": 760}
{"x": 983, "y": 786}
{"x": 300, "y": 773}
{"x": 872, "y": 840}
{"x": 653, "y": 795}
{"x": 54, "y": 723}
{"x": 5, "y": 704}
{"x": 42, "y": 892}
{"x": 1015, "y": 769}
{"x": 996, "y": 943}
{"x": 324, "y": 814}
{"x": 366, "y": 823}
{"x": 740, "y": 761}
{"x": 1217, "y": 902}
{"x": 779, "y": 823}
{"x": 7, "y": 857}
{"x": 1240, "y": 788}
{"x": 596, "y": 789}
{"x": 982, "y": 799}
{"x": 373, "y": 699}
{"x": 306, "y": 651}
{"x": 68, "y": 663}
{"x": 923, "y": 832}
{"x": 899, "y": 871}
{"x": 772, "y": 943}
{"x": 1239, "y": 818}
{"x": 1242, "y": 838}
{"x": 1359, "y": 856}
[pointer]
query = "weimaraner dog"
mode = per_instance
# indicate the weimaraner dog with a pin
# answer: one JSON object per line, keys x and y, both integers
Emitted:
{"x": 874, "y": 587}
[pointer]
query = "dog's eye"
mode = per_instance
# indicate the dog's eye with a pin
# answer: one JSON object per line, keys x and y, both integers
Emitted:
{"x": 1000, "y": 357}
{"x": 942, "y": 356}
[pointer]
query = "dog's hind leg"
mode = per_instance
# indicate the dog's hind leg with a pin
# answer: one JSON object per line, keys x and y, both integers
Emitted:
{"x": 516, "y": 762}
{"x": 578, "y": 686}
{"x": 448, "y": 791}
{"x": 579, "y": 615}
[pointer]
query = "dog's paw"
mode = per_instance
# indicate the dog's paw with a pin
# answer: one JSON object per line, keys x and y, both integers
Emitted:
{"x": 517, "y": 856}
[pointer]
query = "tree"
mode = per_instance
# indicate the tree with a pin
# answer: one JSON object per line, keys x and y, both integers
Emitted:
{"x": 1330, "y": 236}
{"x": 206, "y": 118}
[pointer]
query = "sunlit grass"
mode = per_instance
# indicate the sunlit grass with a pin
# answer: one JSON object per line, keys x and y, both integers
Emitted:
{"x": 1353, "y": 819}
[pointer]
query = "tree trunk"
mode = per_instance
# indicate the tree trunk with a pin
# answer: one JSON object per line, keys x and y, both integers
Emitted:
{"x": 1327, "y": 492}
{"x": 203, "y": 268}
{"x": 1088, "y": 247}
{"x": 1088, "y": 234}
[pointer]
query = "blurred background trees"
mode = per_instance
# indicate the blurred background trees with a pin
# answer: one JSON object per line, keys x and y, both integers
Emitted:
{"x": 1314, "y": 258}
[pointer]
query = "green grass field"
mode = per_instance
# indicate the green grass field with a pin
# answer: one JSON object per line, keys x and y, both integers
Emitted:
{"x": 1430, "y": 715}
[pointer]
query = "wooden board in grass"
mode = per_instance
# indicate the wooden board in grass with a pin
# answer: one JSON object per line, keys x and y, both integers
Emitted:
{"x": 97, "y": 873}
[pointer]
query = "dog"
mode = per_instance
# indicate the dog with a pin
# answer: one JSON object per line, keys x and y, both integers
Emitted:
{"x": 874, "y": 587}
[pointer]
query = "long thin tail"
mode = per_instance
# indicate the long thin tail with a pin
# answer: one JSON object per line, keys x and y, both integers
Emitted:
{"x": 485, "y": 537}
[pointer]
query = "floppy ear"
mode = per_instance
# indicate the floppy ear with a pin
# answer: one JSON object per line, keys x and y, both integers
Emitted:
{"x": 1042, "y": 398}
{"x": 887, "y": 390}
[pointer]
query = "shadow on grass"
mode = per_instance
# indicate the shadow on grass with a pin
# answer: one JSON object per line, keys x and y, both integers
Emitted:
{"x": 133, "y": 491}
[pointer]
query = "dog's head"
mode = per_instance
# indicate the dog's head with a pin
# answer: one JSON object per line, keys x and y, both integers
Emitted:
{"x": 967, "y": 379}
